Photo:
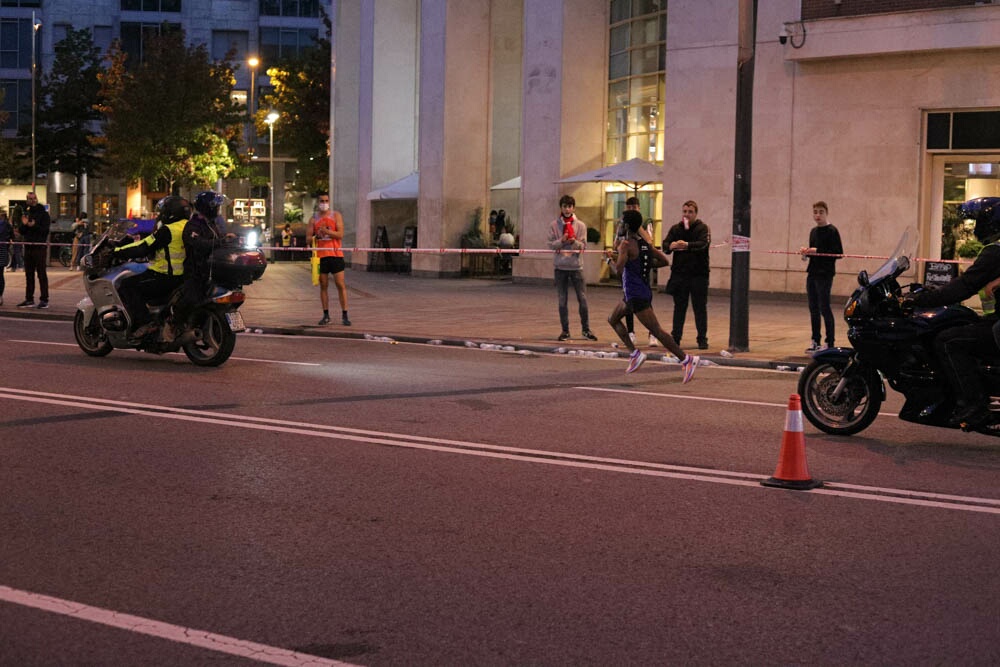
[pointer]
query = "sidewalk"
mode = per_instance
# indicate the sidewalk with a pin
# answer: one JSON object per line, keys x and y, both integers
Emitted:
{"x": 456, "y": 311}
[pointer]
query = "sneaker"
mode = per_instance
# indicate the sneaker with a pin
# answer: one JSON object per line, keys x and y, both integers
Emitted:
{"x": 325, "y": 320}
{"x": 652, "y": 341}
{"x": 564, "y": 336}
{"x": 702, "y": 343}
{"x": 635, "y": 360}
{"x": 813, "y": 347}
{"x": 43, "y": 304}
{"x": 689, "y": 365}
{"x": 27, "y": 303}
{"x": 589, "y": 335}
{"x": 631, "y": 337}
{"x": 346, "y": 322}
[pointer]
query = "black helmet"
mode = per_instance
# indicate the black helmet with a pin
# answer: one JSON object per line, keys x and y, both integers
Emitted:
{"x": 986, "y": 212}
{"x": 208, "y": 202}
{"x": 173, "y": 208}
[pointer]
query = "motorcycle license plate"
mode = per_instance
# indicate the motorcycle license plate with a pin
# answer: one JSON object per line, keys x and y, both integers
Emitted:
{"x": 235, "y": 321}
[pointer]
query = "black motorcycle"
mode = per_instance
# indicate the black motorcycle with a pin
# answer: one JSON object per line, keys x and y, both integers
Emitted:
{"x": 843, "y": 388}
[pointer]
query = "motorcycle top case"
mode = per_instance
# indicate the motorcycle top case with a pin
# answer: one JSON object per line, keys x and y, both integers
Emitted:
{"x": 233, "y": 267}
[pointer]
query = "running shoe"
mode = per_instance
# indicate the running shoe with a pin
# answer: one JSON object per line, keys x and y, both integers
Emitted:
{"x": 324, "y": 320}
{"x": 635, "y": 360}
{"x": 43, "y": 304}
{"x": 589, "y": 335}
{"x": 564, "y": 336}
{"x": 652, "y": 341}
{"x": 346, "y": 322}
{"x": 813, "y": 347}
{"x": 689, "y": 365}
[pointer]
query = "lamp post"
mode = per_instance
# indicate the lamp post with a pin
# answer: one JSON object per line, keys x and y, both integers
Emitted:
{"x": 271, "y": 117}
{"x": 35, "y": 25}
{"x": 253, "y": 62}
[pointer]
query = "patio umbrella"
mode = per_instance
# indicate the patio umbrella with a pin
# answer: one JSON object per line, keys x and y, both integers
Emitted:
{"x": 633, "y": 173}
{"x": 511, "y": 184}
{"x": 407, "y": 187}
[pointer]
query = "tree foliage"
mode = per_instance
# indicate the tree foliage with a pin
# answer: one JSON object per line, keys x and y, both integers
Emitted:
{"x": 169, "y": 118}
{"x": 301, "y": 94}
{"x": 66, "y": 133}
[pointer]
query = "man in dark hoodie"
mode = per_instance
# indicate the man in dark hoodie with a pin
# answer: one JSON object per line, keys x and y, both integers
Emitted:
{"x": 35, "y": 231}
{"x": 689, "y": 241}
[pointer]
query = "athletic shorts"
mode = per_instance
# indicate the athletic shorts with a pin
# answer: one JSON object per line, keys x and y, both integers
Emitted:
{"x": 638, "y": 305}
{"x": 331, "y": 264}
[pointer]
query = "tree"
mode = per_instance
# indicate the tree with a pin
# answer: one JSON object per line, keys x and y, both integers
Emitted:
{"x": 70, "y": 93}
{"x": 301, "y": 93}
{"x": 170, "y": 117}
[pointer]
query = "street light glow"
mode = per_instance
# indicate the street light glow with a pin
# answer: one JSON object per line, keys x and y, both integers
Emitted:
{"x": 272, "y": 116}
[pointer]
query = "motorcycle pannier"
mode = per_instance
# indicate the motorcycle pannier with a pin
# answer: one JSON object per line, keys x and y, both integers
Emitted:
{"x": 234, "y": 267}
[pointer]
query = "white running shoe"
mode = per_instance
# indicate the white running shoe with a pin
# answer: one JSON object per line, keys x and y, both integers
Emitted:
{"x": 635, "y": 360}
{"x": 652, "y": 341}
{"x": 689, "y": 365}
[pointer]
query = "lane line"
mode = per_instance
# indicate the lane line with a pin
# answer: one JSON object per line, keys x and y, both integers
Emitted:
{"x": 174, "y": 633}
{"x": 707, "y": 399}
{"x": 262, "y": 361}
{"x": 877, "y": 494}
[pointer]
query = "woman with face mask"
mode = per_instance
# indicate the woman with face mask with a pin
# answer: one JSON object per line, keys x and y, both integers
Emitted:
{"x": 327, "y": 231}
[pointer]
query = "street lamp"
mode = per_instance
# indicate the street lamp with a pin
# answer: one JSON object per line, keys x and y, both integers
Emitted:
{"x": 35, "y": 25}
{"x": 252, "y": 61}
{"x": 271, "y": 117}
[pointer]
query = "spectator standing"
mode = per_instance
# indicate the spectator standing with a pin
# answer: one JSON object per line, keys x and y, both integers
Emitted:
{"x": 35, "y": 230}
{"x": 6, "y": 235}
{"x": 824, "y": 239}
{"x": 689, "y": 241}
{"x": 80, "y": 232}
{"x": 17, "y": 245}
{"x": 287, "y": 241}
{"x": 327, "y": 229}
{"x": 568, "y": 238}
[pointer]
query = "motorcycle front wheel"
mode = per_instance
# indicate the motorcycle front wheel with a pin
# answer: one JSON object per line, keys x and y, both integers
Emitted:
{"x": 846, "y": 413}
{"x": 215, "y": 341}
{"x": 91, "y": 339}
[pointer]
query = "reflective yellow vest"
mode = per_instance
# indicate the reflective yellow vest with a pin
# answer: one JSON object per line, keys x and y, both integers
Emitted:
{"x": 169, "y": 260}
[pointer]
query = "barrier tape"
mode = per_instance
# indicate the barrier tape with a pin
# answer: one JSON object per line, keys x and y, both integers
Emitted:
{"x": 532, "y": 251}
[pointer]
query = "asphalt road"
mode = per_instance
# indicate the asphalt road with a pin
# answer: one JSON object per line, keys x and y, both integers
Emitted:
{"x": 323, "y": 500}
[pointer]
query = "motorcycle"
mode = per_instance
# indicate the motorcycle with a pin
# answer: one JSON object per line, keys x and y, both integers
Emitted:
{"x": 207, "y": 334}
{"x": 842, "y": 389}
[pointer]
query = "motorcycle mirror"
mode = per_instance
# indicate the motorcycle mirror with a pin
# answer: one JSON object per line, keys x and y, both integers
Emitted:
{"x": 863, "y": 278}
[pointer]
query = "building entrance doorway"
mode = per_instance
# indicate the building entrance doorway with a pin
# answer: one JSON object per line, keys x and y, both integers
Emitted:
{"x": 956, "y": 179}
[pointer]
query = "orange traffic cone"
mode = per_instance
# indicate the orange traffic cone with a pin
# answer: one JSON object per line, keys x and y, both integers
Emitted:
{"x": 792, "y": 472}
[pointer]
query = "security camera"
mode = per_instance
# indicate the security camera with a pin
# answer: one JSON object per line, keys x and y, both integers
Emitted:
{"x": 783, "y": 34}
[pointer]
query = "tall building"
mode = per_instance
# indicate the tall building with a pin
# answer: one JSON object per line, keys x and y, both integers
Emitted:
{"x": 265, "y": 29}
{"x": 887, "y": 110}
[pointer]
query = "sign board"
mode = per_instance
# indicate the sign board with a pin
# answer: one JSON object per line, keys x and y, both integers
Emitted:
{"x": 939, "y": 273}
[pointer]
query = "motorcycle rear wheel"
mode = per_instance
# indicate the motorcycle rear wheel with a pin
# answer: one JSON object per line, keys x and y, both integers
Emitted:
{"x": 216, "y": 341}
{"x": 90, "y": 339}
{"x": 854, "y": 410}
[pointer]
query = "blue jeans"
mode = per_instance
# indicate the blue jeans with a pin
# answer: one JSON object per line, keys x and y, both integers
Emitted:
{"x": 563, "y": 281}
{"x": 818, "y": 288}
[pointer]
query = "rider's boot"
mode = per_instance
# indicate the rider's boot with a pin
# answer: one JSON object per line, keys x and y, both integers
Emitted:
{"x": 970, "y": 416}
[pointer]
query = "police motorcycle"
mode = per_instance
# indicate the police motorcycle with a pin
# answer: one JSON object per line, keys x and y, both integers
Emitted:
{"x": 842, "y": 389}
{"x": 207, "y": 334}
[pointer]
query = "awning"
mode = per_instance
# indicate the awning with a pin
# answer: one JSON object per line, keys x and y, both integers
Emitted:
{"x": 633, "y": 173}
{"x": 512, "y": 184}
{"x": 407, "y": 187}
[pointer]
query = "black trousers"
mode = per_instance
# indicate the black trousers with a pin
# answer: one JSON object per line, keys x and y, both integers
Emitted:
{"x": 136, "y": 291}
{"x": 35, "y": 261}
{"x": 694, "y": 289}
{"x": 958, "y": 351}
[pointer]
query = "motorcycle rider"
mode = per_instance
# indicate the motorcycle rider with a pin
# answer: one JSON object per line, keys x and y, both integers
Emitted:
{"x": 164, "y": 272}
{"x": 960, "y": 347}
{"x": 201, "y": 236}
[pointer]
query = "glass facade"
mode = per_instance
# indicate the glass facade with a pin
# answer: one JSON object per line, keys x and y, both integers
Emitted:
{"x": 636, "y": 87}
{"x": 278, "y": 43}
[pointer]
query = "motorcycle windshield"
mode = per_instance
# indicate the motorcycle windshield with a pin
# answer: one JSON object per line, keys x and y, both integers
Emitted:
{"x": 899, "y": 259}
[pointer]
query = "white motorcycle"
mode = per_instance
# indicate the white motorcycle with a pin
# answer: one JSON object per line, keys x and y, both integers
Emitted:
{"x": 207, "y": 334}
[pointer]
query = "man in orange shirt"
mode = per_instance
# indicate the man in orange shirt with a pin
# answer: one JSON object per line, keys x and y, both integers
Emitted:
{"x": 327, "y": 229}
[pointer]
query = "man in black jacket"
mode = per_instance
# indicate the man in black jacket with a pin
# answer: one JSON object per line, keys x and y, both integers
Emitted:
{"x": 35, "y": 231}
{"x": 960, "y": 347}
{"x": 689, "y": 241}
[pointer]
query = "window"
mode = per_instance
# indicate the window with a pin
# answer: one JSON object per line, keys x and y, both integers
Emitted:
{"x": 233, "y": 43}
{"x": 151, "y": 5}
{"x": 963, "y": 130}
{"x": 278, "y": 43}
{"x": 67, "y": 207}
{"x": 105, "y": 211}
{"x": 16, "y": 102}
{"x": 102, "y": 37}
{"x": 301, "y": 8}
{"x": 20, "y": 3}
{"x": 15, "y": 43}
{"x": 134, "y": 36}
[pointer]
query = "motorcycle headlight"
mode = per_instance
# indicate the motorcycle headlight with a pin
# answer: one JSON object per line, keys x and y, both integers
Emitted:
{"x": 251, "y": 241}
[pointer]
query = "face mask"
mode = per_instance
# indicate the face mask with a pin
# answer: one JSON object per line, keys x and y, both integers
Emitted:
{"x": 324, "y": 206}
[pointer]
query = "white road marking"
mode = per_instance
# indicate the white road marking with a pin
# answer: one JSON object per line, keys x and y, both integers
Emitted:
{"x": 262, "y": 361}
{"x": 878, "y": 494}
{"x": 708, "y": 399}
{"x": 174, "y": 633}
